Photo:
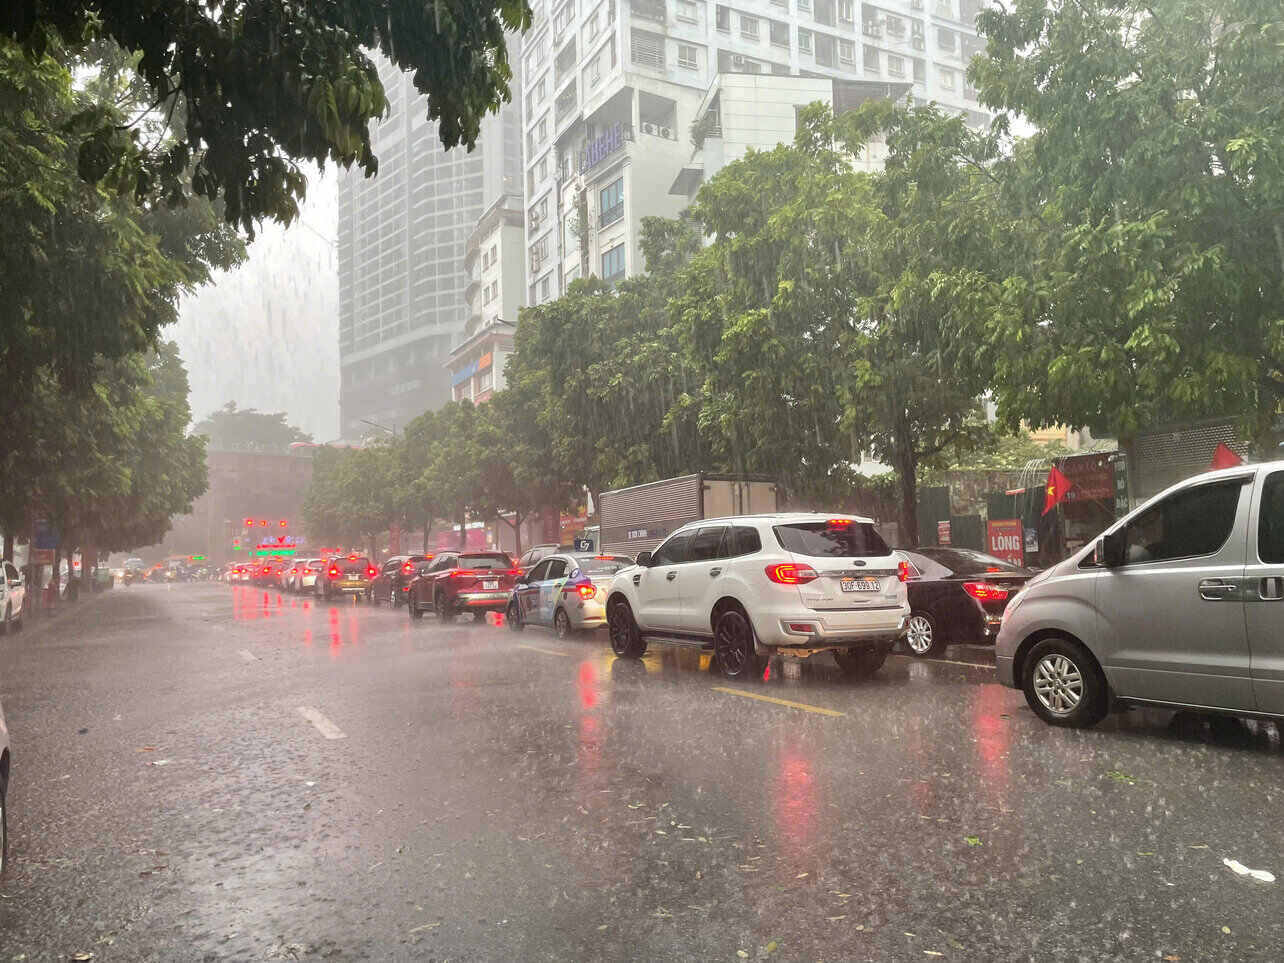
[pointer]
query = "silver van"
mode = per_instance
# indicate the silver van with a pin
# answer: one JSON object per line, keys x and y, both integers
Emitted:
{"x": 1180, "y": 603}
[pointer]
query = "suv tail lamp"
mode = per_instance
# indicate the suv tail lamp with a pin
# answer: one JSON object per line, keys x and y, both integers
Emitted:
{"x": 334, "y": 571}
{"x": 789, "y": 573}
{"x": 985, "y": 591}
{"x": 463, "y": 573}
{"x": 407, "y": 568}
{"x": 902, "y": 571}
{"x": 371, "y": 572}
{"x": 838, "y": 522}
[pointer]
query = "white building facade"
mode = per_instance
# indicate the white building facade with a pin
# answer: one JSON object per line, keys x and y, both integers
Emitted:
{"x": 612, "y": 88}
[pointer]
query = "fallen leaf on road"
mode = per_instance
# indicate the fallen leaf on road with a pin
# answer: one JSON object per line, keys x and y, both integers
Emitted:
{"x": 1198, "y": 846}
{"x": 147, "y": 749}
{"x": 932, "y": 953}
{"x": 603, "y": 926}
{"x": 1171, "y": 958}
{"x": 742, "y": 954}
{"x": 1226, "y": 930}
{"x": 159, "y": 762}
{"x": 802, "y": 875}
{"x": 972, "y": 840}
{"x": 425, "y": 926}
{"x": 835, "y": 919}
{"x": 80, "y": 957}
{"x": 772, "y": 946}
{"x": 635, "y": 805}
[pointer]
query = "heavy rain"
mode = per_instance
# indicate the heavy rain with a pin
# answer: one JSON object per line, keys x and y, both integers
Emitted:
{"x": 641, "y": 480}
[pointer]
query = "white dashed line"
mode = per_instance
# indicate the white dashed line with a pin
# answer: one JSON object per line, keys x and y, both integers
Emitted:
{"x": 536, "y": 648}
{"x": 324, "y": 725}
{"x": 247, "y": 655}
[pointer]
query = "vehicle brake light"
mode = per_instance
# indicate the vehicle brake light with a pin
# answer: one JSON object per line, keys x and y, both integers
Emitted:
{"x": 352, "y": 558}
{"x": 307, "y": 571}
{"x": 334, "y": 572}
{"x": 587, "y": 591}
{"x": 902, "y": 570}
{"x": 985, "y": 591}
{"x": 462, "y": 573}
{"x": 407, "y": 568}
{"x": 838, "y": 522}
{"x": 787, "y": 573}
{"x": 371, "y": 572}
{"x": 514, "y": 572}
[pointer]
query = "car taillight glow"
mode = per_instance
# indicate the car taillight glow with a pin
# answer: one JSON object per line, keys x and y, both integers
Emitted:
{"x": 307, "y": 571}
{"x": 371, "y": 572}
{"x": 514, "y": 572}
{"x": 788, "y": 573}
{"x": 587, "y": 591}
{"x": 407, "y": 569}
{"x": 838, "y": 522}
{"x": 985, "y": 591}
{"x": 334, "y": 572}
{"x": 902, "y": 570}
{"x": 463, "y": 573}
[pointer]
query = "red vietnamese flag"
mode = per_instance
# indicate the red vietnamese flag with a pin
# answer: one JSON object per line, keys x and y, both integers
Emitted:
{"x": 1057, "y": 488}
{"x": 1223, "y": 457}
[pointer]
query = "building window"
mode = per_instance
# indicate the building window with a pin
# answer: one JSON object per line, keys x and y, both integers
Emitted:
{"x": 749, "y": 27}
{"x": 825, "y": 49}
{"x": 723, "y": 16}
{"x": 611, "y": 203}
{"x": 687, "y": 57}
{"x": 486, "y": 379}
{"x": 920, "y": 71}
{"x": 896, "y": 28}
{"x": 847, "y": 51}
{"x": 590, "y": 28}
{"x": 947, "y": 79}
{"x": 613, "y": 54}
{"x": 847, "y": 11}
{"x": 613, "y": 263}
{"x": 541, "y": 169}
{"x": 688, "y": 10}
{"x": 494, "y": 254}
{"x": 945, "y": 39}
{"x": 917, "y": 40}
{"x": 779, "y": 33}
{"x": 944, "y": 8}
{"x": 870, "y": 56}
{"x": 804, "y": 4}
{"x": 543, "y": 287}
{"x": 804, "y": 41}
{"x": 595, "y": 72}
{"x": 647, "y": 49}
{"x": 562, "y": 19}
{"x": 895, "y": 66}
{"x": 541, "y": 132}
{"x": 541, "y": 89}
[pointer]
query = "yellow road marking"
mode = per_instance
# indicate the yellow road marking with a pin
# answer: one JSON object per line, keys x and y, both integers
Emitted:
{"x": 779, "y": 702}
{"x": 536, "y": 648}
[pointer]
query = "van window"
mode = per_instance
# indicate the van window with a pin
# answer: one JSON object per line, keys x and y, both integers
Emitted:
{"x": 1270, "y": 522}
{"x": 1189, "y": 524}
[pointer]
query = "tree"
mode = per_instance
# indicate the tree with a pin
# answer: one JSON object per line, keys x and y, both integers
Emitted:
{"x": 265, "y": 83}
{"x": 1147, "y": 249}
{"x": 817, "y": 315}
{"x": 245, "y": 429}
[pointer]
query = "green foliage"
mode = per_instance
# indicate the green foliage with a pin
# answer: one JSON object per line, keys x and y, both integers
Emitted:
{"x": 267, "y": 83}
{"x": 245, "y": 429}
{"x": 1146, "y": 212}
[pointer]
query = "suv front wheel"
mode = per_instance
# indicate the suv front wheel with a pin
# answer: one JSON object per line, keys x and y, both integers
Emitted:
{"x": 626, "y": 639}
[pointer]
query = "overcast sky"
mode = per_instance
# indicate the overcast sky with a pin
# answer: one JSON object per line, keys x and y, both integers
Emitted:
{"x": 266, "y": 335}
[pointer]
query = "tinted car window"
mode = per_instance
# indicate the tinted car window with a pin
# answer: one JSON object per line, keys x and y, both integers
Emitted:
{"x": 826, "y": 540}
{"x": 603, "y": 565}
{"x": 964, "y": 561}
{"x": 539, "y": 572}
{"x": 556, "y": 568}
{"x": 1193, "y": 522}
{"x": 1270, "y": 523}
{"x": 391, "y": 566}
{"x": 352, "y": 564}
{"x": 486, "y": 561}
{"x": 672, "y": 551}
{"x": 744, "y": 541}
{"x": 707, "y": 544}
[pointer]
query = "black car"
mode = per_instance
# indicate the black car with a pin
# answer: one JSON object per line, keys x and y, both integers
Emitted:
{"x": 956, "y": 595}
{"x": 393, "y": 580}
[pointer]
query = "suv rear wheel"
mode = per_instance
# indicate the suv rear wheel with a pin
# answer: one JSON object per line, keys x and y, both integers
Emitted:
{"x": 626, "y": 640}
{"x": 860, "y": 663}
{"x": 1064, "y": 685}
{"x": 444, "y": 612}
{"x": 733, "y": 645}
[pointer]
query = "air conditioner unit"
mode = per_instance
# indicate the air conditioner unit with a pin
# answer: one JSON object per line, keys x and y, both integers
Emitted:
{"x": 648, "y": 127}
{"x": 737, "y": 60}
{"x": 666, "y": 132}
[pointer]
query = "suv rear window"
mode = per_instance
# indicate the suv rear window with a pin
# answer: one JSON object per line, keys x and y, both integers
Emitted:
{"x": 603, "y": 565}
{"x": 821, "y": 539}
{"x": 487, "y": 561}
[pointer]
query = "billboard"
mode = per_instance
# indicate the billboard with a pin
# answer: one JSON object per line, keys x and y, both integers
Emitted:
{"x": 1004, "y": 539}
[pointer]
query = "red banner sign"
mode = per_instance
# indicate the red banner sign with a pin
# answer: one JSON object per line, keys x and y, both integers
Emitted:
{"x": 1005, "y": 540}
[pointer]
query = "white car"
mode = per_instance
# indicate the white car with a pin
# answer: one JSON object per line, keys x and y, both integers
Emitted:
{"x": 790, "y": 584}
{"x": 4, "y": 789}
{"x": 305, "y": 579}
{"x": 13, "y": 597}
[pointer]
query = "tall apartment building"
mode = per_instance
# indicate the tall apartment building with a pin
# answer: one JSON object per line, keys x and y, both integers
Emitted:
{"x": 612, "y": 88}
{"x": 406, "y": 285}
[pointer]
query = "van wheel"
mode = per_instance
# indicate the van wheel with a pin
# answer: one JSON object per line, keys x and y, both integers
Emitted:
{"x": 1064, "y": 685}
{"x": 733, "y": 645}
{"x": 921, "y": 636}
{"x": 626, "y": 640}
{"x": 860, "y": 663}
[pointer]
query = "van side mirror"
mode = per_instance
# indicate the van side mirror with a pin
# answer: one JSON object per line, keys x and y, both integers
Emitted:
{"x": 644, "y": 559}
{"x": 1111, "y": 548}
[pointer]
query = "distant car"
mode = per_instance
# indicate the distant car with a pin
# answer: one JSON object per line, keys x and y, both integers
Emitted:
{"x": 4, "y": 792}
{"x": 309, "y": 569}
{"x": 267, "y": 574}
{"x": 346, "y": 575}
{"x": 13, "y": 599}
{"x": 536, "y": 553}
{"x": 957, "y": 595}
{"x": 454, "y": 582}
{"x": 392, "y": 584}
{"x": 565, "y": 591}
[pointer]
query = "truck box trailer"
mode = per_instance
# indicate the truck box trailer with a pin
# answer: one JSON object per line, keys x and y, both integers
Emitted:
{"x": 638, "y": 518}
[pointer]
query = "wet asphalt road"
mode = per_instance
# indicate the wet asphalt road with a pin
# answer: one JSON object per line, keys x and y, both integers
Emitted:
{"x": 208, "y": 773}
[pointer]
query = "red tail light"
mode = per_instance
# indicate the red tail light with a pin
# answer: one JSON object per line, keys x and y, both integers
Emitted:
{"x": 514, "y": 572}
{"x": 787, "y": 573}
{"x": 902, "y": 570}
{"x": 985, "y": 591}
{"x": 587, "y": 591}
{"x": 463, "y": 573}
{"x": 407, "y": 568}
{"x": 307, "y": 571}
{"x": 371, "y": 572}
{"x": 334, "y": 572}
{"x": 838, "y": 522}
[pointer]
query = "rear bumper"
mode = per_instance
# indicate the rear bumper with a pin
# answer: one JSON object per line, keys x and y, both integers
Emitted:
{"x": 586, "y": 614}
{"x": 483, "y": 601}
{"x": 834, "y": 630}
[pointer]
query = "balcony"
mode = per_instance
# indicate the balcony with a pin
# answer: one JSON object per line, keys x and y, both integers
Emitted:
{"x": 648, "y": 10}
{"x": 610, "y": 215}
{"x": 566, "y": 103}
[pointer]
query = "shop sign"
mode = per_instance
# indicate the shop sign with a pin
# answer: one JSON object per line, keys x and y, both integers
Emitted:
{"x": 1005, "y": 540}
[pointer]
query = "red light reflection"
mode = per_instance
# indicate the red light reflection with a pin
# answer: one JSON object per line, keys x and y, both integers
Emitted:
{"x": 793, "y": 793}
{"x": 587, "y": 683}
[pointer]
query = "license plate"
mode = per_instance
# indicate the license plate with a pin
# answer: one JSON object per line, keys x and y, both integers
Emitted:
{"x": 490, "y": 584}
{"x": 861, "y": 584}
{"x": 351, "y": 583}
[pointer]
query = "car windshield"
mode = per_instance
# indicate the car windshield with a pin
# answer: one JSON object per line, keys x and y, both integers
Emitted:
{"x": 592, "y": 565}
{"x": 965, "y": 561}
{"x": 490, "y": 560}
{"x": 829, "y": 539}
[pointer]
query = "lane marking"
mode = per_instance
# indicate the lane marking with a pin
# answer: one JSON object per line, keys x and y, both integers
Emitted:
{"x": 974, "y": 665}
{"x": 324, "y": 725}
{"x": 247, "y": 655}
{"x": 536, "y": 648}
{"x": 779, "y": 702}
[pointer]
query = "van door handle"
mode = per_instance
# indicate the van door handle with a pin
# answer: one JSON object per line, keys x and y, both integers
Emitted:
{"x": 671, "y": 576}
{"x": 715, "y": 572}
{"x": 1217, "y": 590}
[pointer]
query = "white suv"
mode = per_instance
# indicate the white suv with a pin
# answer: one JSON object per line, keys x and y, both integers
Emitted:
{"x": 13, "y": 597}
{"x": 760, "y": 585}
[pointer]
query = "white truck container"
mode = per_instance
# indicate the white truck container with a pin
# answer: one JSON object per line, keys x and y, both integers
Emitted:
{"x": 638, "y": 518}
